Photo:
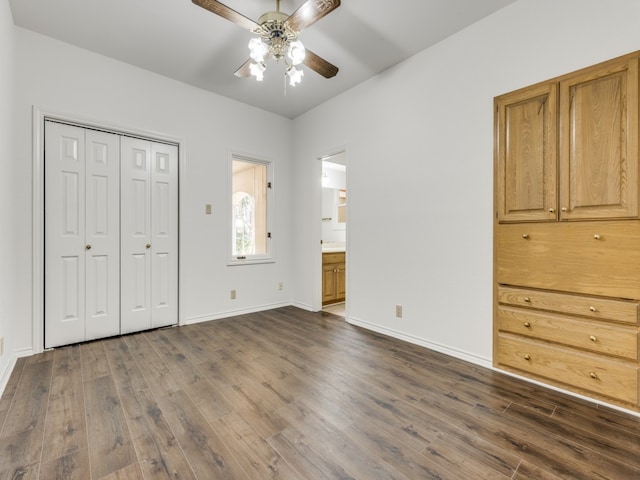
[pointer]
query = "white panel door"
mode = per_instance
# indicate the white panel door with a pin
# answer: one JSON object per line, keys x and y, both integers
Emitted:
{"x": 102, "y": 234}
{"x": 135, "y": 214}
{"x": 81, "y": 234}
{"x": 149, "y": 229}
{"x": 64, "y": 254}
{"x": 164, "y": 234}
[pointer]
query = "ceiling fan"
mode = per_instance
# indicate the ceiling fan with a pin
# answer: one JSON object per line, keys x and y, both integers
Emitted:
{"x": 277, "y": 38}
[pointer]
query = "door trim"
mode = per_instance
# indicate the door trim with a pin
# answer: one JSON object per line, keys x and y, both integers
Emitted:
{"x": 317, "y": 228}
{"x": 39, "y": 114}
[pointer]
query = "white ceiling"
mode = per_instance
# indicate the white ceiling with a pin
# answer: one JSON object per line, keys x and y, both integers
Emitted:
{"x": 183, "y": 41}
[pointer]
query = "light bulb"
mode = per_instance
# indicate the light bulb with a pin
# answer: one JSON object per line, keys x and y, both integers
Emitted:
{"x": 296, "y": 52}
{"x": 257, "y": 70}
{"x": 257, "y": 50}
{"x": 295, "y": 76}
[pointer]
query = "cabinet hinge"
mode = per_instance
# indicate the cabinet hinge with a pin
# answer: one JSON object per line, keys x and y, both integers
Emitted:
{"x": 268, "y": 184}
{"x": 268, "y": 234}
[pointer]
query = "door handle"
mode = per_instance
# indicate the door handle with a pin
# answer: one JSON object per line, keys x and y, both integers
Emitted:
{"x": 148, "y": 245}
{"x": 87, "y": 247}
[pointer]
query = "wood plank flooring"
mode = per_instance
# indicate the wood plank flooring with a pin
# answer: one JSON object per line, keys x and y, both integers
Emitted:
{"x": 292, "y": 395}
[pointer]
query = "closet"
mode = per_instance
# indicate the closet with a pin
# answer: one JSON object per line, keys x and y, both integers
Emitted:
{"x": 111, "y": 234}
{"x": 567, "y": 232}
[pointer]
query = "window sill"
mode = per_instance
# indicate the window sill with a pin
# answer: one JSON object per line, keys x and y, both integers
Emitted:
{"x": 249, "y": 261}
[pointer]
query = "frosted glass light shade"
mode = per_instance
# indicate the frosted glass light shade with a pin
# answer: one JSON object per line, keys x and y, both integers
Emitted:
{"x": 257, "y": 50}
{"x": 296, "y": 52}
{"x": 257, "y": 70}
{"x": 295, "y": 76}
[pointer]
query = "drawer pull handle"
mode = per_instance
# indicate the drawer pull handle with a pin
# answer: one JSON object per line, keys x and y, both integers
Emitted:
{"x": 592, "y": 308}
{"x": 596, "y": 236}
{"x": 527, "y": 357}
{"x": 527, "y": 324}
{"x": 552, "y": 210}
{"x": 593, "y": 338}
{"x": 525, "y": 236}
{"x": 593, "y": 375}
{"x": 564, "y": 209}
{"x": 527, "y": 299}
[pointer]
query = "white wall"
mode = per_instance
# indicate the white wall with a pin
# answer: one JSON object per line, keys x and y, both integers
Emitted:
{"x": 432, "y": 115}
{"x": 8, "y": 267}
{"x": 59, "y": 77}
{"x": 418, "y": 139}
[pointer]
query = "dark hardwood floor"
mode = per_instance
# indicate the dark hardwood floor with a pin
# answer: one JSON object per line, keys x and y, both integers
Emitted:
{"x": 288, "y": 394}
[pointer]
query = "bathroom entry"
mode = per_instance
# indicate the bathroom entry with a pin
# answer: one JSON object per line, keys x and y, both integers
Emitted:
{"x": 334, "y": 231}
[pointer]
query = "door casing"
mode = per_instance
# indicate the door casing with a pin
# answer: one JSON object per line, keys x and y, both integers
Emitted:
{"x": 39, "y": 114}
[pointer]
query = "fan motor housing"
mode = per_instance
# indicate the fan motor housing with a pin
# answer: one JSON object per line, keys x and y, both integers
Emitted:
{"x": 273, "y": 25}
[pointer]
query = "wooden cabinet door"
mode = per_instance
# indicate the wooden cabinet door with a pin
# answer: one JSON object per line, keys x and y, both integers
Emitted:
{"x": 341, "y": 283}
{"x": 328, "y": 283}
{"x": 598, "y": 142}
{"x": 526, "y": 154}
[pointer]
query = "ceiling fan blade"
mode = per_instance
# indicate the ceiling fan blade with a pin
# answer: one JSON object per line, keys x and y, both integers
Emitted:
{"x": 320, "y": 65}
{"x": 243, "y": 71}
{"x": 228, "y": 13}
{"x": 310, "y": 12}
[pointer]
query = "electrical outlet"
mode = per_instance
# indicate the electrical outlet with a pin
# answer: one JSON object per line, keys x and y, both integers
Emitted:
{"x": 233, "y": 294}
{"x": 399, "y": 311}
{"x": 280, "y": 286}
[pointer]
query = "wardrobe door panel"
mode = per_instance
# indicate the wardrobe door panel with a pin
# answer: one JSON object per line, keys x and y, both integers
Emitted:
{"x": 135, "y": 208}
{"x": 599, "y": 145}
{"x": 64, "y": 283}
{"x": 102, "y": 234}
{"x": 164, "y": 241}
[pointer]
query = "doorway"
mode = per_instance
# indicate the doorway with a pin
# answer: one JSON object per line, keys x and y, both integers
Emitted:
{"x": 334, "y": 233}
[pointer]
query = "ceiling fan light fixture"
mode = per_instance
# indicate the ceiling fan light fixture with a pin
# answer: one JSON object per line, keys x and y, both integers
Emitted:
{"x": 296, "y": 52}
{"x": 277, "y": 36}
{"x": 295, "y": 75}
{"x": 257, "y": 70}
{"x": 257, "y": 49}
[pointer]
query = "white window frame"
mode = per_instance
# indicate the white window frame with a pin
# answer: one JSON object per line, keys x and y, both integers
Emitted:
{"x": 269, "y": 256}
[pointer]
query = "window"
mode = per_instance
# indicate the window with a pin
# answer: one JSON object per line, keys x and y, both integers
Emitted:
{"x": 251, "y": 191}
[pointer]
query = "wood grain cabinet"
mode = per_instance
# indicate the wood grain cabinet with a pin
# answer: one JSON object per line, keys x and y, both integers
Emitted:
{"x": 333, "y": 277}
{"x": 567, "y": 232}
{"x": 567, "y": 149}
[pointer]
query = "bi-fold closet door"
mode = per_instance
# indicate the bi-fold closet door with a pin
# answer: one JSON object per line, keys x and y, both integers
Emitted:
{"x": 111, "y": 234}
{"x": 149, "y": 226}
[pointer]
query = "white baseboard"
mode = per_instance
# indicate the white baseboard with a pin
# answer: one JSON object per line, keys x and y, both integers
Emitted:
{"x": 232, "y": 313}
{"x": 453, "y": 352}
{"x": 8, "y": 370}
{"x": 303, "y": 306}
{"x": 477, "y": 360}
{"x": 6, "y": 374}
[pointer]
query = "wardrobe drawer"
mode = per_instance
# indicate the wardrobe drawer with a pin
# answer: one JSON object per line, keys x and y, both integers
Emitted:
{"x": 335, "y": 257}
{"x": 615, "y": 340}
{"x": 591, "y": 258}
{"x": 591, "y": 307}
{"x": 612, "y": 378}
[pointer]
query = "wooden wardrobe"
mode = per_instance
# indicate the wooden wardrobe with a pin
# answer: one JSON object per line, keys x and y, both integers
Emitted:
{"x": 567, "y": 232}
